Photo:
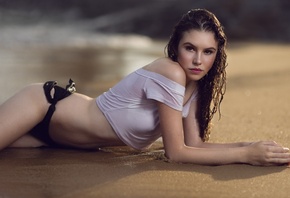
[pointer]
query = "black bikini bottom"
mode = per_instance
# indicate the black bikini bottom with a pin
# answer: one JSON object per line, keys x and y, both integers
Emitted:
{"x": 41, "y": 130}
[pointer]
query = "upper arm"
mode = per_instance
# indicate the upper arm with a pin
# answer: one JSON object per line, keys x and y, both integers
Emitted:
{"x": 191, "y": 127}
{"x": 174, "y": 127}
{"x": 171, "y": 127}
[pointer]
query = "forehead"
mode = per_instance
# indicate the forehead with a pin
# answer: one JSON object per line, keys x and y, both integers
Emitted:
{"x": 199, "y": 38}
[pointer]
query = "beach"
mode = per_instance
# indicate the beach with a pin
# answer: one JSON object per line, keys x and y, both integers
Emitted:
{"x": 256, "y": 107}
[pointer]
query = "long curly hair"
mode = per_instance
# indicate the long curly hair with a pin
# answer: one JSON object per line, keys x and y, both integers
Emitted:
{"x": 212, "y": 87}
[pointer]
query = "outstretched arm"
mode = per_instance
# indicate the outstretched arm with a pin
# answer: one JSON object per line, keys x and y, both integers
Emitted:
{"x": 178, "y": 148}
{"x": 191, "y": 132}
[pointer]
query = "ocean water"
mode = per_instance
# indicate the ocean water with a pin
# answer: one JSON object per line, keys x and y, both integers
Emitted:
{"x": 95, "y": 61}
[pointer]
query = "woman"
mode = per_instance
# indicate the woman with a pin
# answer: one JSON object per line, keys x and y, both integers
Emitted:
{"x": 174, "y": 97}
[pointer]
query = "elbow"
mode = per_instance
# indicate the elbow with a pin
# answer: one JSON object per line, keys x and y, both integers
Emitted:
{"x": 196, "y": 144}
{"x": 175, "y": 155}
{"x": 170, "y": 157}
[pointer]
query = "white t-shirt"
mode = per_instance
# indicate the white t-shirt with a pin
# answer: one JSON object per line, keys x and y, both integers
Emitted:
{"x": 131, "y": 107}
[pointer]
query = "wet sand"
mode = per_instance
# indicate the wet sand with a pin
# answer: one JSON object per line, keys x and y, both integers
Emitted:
{"x": 256, "y": 107}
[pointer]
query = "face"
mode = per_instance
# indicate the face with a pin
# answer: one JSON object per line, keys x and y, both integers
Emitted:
{"x": 196, "y": 53}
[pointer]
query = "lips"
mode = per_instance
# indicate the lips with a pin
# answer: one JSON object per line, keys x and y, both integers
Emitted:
{"x": 196, "y": 70}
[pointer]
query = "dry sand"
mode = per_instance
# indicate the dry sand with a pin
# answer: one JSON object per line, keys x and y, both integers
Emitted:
{"x": 256, "y": 107}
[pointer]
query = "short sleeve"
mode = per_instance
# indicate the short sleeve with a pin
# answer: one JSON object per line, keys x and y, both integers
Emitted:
{"x": 169, "y": 93}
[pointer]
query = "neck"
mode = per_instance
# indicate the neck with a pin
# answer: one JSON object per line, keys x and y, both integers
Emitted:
{"x": 191, "y": 85}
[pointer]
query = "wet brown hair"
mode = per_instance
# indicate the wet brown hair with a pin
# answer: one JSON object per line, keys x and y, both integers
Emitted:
{"x": 211, "y": 87}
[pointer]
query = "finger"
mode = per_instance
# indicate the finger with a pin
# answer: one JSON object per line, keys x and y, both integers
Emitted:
{"x": 279, "y": 161}
{"x": 278, "y": 149}
{"x": 286, "y": 150}
{"x": 279, "y": 158}
{"x": 270, "y": 143}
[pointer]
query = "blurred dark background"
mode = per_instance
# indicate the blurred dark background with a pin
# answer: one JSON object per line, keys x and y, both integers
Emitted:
{"x": 98, "y": 42}
{"x": 243, "y": 19}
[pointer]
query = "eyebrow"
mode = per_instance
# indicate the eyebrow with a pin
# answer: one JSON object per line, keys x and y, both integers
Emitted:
{"x": 208, "y": 48}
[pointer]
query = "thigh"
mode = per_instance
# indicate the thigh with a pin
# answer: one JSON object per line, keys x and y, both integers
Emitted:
{"x": 21, "y": 112}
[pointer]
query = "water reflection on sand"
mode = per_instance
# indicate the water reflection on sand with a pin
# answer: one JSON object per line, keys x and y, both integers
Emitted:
{"x": 94, "y": 66}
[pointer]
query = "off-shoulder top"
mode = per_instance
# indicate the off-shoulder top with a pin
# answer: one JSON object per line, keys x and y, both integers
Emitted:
{"x": 131, "y": 106}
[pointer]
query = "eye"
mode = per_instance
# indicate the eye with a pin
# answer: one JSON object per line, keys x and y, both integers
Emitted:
{"x": 208, "y": 52}
{"x": 189, "y": 48}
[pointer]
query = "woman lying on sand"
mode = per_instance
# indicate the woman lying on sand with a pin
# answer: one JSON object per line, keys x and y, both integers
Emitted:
{"x": 174, "y": 97}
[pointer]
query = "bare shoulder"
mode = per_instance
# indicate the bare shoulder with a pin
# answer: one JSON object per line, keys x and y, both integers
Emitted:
{"x": 169, "y": 69}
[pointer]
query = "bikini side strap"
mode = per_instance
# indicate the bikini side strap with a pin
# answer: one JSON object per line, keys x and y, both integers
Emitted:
{"x": 48, "y": 86}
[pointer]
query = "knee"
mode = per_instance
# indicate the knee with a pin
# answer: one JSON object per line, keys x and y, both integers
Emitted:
{"x": 29, "y": 102}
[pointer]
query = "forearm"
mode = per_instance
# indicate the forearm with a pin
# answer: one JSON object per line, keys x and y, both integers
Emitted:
{"x": 210, "y": 156}
{"x": 222, "y": 145}
{"x": 256, "y": 153}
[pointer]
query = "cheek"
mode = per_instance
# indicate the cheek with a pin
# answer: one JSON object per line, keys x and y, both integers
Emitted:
{"x": 209, "y": 62}
{"x": 184, "y": 56}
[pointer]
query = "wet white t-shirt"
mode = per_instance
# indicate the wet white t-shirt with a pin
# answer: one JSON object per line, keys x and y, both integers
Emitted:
{"x": 131, "y": 106}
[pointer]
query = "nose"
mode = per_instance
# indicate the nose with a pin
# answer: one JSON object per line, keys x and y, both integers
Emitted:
{"x": 197, "y": 59}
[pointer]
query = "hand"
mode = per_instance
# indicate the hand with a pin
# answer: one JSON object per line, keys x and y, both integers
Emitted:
{"x": 267, "y": 153}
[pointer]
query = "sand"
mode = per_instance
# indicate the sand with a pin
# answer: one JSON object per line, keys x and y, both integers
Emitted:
{"x": 256, "y": 107}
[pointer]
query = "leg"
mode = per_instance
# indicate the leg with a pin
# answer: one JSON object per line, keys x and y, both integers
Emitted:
{"x": 41, "y": 130}
{"x": 27, "y": 141}
{"x": 21, "y": 113}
